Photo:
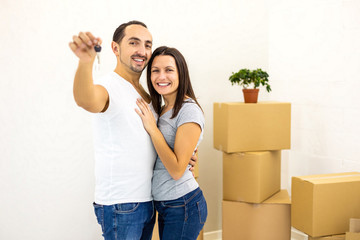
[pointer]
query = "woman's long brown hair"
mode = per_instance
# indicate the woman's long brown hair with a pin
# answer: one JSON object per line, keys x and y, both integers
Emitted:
{"x": 184, "y": 88}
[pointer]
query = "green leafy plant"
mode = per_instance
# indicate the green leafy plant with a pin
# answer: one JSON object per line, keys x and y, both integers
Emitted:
{"x": 246, "y": 78}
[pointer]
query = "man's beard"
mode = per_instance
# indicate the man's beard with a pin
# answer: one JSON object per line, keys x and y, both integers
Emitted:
{"x": 133, "y": 68}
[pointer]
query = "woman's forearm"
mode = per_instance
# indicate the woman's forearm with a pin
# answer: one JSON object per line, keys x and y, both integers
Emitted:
{"x": 175, "y": 167}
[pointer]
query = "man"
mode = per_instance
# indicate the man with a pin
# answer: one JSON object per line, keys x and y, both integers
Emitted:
{"x": 124, "y": 154}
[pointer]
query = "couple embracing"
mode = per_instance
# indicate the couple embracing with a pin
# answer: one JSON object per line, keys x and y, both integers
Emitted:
{"x": 144, "y": 144}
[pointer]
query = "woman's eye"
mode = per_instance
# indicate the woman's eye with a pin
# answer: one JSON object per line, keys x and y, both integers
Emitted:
{"x": 154, "y": 70}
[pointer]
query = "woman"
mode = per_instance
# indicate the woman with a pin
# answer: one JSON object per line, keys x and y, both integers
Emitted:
{"x": 178, "y": 199}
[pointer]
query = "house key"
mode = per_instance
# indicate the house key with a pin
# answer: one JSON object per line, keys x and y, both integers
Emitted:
{"x": 98, "y": 50}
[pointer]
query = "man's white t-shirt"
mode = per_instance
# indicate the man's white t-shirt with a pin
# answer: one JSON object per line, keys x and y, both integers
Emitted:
{"x": 124, "y": 153}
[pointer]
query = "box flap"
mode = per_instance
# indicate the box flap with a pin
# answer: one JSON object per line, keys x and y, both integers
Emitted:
{"x": 282, "y": 197}
{"x": 331, "y": 178}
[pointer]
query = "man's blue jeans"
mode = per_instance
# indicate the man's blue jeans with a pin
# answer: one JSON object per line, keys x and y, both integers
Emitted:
{"x": 126, "y": 221}
{"x": 182, "y": 218}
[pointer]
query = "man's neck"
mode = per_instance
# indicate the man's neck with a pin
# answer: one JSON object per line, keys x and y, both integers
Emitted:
{"x": 132, "y": 78}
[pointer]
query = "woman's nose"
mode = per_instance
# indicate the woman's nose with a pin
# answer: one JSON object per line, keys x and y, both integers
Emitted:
{"x": 162, "y": 75}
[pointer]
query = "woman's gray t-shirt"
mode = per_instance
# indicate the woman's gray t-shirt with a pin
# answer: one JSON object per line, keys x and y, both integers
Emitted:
{"x": 164, "y": 187}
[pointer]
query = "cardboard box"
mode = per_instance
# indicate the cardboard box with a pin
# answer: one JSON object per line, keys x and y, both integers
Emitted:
{"x": 352, "y": 236}
{"x": 334, "y": 237}
{"x": 323, "y": 204}
{"x": 269, "y": 220}
{"x": 354, "y": 232}
{"x": 251, "y": 176}
{"x": 244, "y": 127}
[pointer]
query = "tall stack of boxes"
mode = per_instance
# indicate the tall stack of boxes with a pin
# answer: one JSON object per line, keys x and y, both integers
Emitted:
{"x": 251, "y": 137}
{"x": 326, "y": 206}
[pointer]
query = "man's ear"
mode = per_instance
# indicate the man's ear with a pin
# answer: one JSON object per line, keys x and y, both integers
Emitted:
{"x": 115, "y": 47}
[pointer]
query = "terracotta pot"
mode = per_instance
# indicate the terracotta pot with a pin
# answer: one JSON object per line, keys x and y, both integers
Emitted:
{"x": 251, "y": 95}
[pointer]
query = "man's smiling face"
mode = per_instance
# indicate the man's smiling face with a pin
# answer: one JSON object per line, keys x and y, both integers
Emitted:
{"x": 135, "y": 48}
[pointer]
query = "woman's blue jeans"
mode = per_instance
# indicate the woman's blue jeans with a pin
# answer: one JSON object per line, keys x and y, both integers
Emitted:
{"x": 126, "y": 221}
{"x": 183, "y": 218}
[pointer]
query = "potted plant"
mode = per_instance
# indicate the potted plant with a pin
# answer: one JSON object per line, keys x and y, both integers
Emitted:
{"x": 250, "y": 78}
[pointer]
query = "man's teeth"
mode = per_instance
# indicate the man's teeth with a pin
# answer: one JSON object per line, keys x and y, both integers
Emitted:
{"x": 138, "y": 60}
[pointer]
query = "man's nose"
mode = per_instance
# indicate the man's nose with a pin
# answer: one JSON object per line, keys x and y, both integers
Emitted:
{"x": 141, "y": 50}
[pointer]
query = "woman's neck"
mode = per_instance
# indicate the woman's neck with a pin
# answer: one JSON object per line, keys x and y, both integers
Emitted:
{"x": 169, "y": 101}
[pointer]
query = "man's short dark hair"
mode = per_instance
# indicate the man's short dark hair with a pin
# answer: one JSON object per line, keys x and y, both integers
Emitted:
{"x": 120, "y": 31}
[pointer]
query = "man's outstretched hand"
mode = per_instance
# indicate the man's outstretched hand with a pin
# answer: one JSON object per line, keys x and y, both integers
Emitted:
{"x": 83, "y": 46}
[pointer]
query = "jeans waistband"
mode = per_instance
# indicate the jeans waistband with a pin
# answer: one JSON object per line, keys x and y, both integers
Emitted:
{"x": 189, "y": 196}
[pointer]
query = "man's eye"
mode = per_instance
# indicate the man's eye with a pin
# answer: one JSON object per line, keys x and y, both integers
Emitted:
{"x": 132, "y": 43}
{"x": 148, "y": 46}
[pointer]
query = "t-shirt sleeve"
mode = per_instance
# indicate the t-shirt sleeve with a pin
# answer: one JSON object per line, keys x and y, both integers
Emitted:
{"x": 190, "y": 112}
{"x": 106, "y": 83}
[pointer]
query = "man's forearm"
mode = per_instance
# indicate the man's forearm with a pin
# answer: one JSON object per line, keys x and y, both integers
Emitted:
{"x": 83, "y": 84}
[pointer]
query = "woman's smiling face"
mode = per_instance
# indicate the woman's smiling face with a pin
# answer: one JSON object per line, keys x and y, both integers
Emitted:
{"x": 164, "y": 75}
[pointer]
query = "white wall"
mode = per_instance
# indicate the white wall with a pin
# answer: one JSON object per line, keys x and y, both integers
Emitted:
{"x": 46, "y": 157}
{"x": 314, "y": 62}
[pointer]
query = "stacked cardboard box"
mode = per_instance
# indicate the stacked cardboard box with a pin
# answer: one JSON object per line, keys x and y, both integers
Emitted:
{"x": 251, "y": 137}
{"x": 243, "y": 127}
{"x": 268, "y": 220}
{"x": 323, "y": 204}
{"x": 251, "y": 176}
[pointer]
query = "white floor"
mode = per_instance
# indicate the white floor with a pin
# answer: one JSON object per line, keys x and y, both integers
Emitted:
{"x": 216, "y": 235}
